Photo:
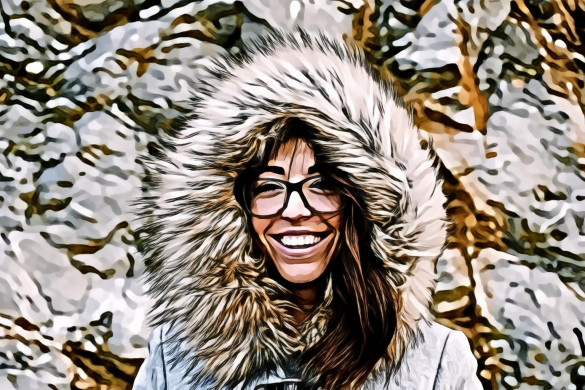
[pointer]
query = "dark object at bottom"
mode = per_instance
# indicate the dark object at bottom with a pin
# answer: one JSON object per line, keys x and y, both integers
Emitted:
{"x": 288, "y": 384}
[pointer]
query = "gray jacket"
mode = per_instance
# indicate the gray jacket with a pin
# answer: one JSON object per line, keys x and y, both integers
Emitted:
{"x": 441, "y": 360}
{"x": 228, "y": 322}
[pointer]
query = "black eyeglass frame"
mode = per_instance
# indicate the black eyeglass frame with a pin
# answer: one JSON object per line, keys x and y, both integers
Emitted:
{"x": 290, "y": 188}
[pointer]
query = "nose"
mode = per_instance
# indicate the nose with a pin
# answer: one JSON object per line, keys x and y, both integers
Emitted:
{"x": 295, "y": 208}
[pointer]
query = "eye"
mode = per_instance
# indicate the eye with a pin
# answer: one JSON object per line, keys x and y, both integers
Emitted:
{"x": 266, "y": 189}
{"x": 322, "y": 184}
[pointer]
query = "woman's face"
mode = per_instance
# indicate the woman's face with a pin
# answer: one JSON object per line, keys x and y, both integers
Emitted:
{"x": 299, "y": 242}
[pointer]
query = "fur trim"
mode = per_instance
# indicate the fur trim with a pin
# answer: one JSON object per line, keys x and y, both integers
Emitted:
{"x": 202, "y": 274}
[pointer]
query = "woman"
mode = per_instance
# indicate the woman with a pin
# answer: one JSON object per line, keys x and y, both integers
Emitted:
{"x": 291, "y": 236}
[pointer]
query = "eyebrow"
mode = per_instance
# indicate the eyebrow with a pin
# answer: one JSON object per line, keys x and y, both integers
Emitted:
{"x": 314, "y": 168}
{"x": 280, "y": 170}
{"x": 273, "y": 169}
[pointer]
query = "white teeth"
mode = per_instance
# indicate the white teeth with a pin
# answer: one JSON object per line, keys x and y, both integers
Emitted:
{"x": 300, "y": 240}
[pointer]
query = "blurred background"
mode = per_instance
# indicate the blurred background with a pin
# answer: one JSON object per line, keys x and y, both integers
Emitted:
{"x": 86, "y": 86}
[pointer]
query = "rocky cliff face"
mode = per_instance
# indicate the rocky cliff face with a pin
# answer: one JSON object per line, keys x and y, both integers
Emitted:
{"x": 87, "y": 86}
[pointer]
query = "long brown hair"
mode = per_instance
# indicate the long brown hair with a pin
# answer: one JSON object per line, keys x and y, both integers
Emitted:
{"x": 363, "y": 317}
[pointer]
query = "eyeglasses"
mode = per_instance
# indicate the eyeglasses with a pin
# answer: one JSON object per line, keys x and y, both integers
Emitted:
{"x": 268, "y": 197}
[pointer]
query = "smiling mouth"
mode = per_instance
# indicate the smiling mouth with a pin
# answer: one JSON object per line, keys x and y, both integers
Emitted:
{"x": 300, "y": 241}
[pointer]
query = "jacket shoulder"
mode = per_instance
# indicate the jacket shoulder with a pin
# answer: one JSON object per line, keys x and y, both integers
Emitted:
{"x": 457, "y": 366}
{"x": 152, "y": 372}
{"x": 169, "y": 365}
{"x": 439, "y": 359}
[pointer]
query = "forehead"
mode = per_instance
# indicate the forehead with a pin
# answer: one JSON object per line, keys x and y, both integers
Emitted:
{"x": 295, "y": 157}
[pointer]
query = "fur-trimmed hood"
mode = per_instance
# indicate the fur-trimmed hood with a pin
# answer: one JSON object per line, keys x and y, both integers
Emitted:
{"x": 203, "y": 276}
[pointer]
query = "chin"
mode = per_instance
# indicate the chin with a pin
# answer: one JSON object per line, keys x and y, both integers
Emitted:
{"x": 300, "y": 273}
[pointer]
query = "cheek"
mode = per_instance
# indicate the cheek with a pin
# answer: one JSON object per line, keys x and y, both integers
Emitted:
{"x": 335, "y": 224}
{"x": 260, "y": 226}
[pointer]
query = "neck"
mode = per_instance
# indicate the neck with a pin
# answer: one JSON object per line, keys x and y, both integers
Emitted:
{"x": 307, "y": 296}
